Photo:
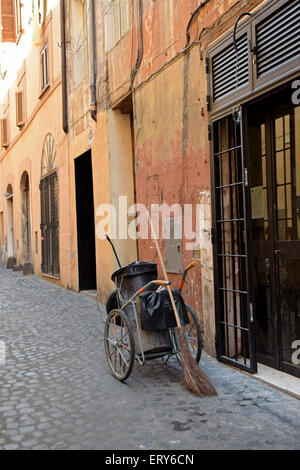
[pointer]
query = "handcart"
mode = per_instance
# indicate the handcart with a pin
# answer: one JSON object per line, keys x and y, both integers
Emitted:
{"x": 127, "y": 334}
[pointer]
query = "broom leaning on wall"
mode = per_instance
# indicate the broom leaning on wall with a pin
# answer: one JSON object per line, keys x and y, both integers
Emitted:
{"x": 196, "y": 380}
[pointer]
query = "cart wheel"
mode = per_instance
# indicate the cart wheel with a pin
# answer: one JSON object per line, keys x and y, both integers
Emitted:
{"x": 193, "y": 335}
{"x": 119, "y": 344}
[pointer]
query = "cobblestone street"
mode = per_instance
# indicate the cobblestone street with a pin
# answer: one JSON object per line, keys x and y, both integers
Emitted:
{"x": 57, "y": 393}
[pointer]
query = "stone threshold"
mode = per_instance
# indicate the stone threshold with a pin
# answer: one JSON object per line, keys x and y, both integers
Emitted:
{"x": 89, "y": 293}
{"x": 279, "y": 380}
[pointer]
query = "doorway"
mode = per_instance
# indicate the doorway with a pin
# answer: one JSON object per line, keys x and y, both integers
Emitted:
{"x": 10, "y": 221}
{"x": 274, "y": 178}
{"x": 85, "y": 222}
{"x": 2, "y": 245}
{"x": 25, "y": 217}
{"x": 256, "y": 234}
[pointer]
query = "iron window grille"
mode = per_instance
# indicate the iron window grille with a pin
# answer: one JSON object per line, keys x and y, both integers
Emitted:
{"x": 50, "y": 225}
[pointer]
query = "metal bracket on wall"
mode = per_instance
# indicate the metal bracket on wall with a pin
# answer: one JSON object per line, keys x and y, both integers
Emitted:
{"x": 207, "y": 65}
{"x": 208, "y": 106}
{"x": 209, "y": 131}
{"x": 213, "y": 235}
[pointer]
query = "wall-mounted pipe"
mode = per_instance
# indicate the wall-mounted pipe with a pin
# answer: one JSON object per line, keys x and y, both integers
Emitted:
{"x": 188, "y": 38}
{"x": 92, "y": 47}
{"x": 64, "y": 66}
{"x": 141, "y": 44}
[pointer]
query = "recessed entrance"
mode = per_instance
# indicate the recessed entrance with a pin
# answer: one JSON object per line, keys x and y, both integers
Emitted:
{"x": 25, "y": 217}
{"x": 274, "y": 176}
{"x": 85, "y": 222}
{"x": 257, "y": 234}
{"x": 10, "y": 221}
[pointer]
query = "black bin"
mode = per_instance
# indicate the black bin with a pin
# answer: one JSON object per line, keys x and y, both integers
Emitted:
{"x": 134, "y": 276}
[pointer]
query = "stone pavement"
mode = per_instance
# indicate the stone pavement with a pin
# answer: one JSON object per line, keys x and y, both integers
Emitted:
{"x": 56, "y": 391}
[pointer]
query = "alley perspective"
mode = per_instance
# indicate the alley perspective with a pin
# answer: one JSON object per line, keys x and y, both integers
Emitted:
{"x": 149, "y": 224}
{"x": 57, "y": 391}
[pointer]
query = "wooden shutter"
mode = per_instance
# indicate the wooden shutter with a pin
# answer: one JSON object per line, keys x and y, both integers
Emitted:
{"x": 44, "y": 70}
{"x": 278, "y": 38}
{"x": 19, "y": 29}
{"x": 227, "y": 74}
{"x": 4, "y": 133}
{"x": 20, "y": 108}
{"x": 124, "y": 16}
{"x": 268, "y": 50}
{"x": 8, "y": 20}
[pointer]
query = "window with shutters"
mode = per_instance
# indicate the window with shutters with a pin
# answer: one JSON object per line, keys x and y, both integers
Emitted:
{"x": 44, "y": 68}
{"x": 8, "y": 21}
{"x": 19, "y": 29}
{"x": 49, "y": 209}
{"x": 228, "y": 75}
{"x": 20, "y": 114}
{"x": 277, "y": 41}
{"x": 79, "y": 41}
{"x": 268, "y": 49}
{"x": 43, "y": 9}
{"x": 4, "y": 133}
{"x": 116, "y": 22}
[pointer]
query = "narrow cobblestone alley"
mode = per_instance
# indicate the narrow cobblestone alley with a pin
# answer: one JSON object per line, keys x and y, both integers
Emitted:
{"x": 57, "y": 393}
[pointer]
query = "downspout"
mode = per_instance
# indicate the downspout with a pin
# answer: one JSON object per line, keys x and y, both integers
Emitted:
{"x": 64, "y": 66}
{"x": 141, "y": 45}
{"x": 93, "y": 98}
{"x": 192, "y": 18}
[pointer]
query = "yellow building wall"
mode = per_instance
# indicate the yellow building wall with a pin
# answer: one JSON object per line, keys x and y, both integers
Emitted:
{"x": 43, "y": 116}
{"x": 25, "y": 155}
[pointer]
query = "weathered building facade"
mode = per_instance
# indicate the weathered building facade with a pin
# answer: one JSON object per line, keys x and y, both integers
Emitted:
{"x": 188, "y": 102}
{"x": 194, "y": 72}
{"x": 34, "y": 167}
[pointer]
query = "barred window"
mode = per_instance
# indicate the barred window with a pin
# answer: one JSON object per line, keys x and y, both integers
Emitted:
{"x": 49, "y": 209}
{"x": 49, "y": 225}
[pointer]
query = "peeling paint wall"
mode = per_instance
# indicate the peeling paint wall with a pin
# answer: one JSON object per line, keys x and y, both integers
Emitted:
{"x": 172, "y": 150}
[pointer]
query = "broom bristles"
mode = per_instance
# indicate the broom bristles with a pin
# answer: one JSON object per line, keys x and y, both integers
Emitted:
{"x": 196, "y": 380}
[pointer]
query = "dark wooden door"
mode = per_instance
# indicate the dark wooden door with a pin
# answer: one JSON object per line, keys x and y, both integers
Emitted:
{"x": 274, "y": 174}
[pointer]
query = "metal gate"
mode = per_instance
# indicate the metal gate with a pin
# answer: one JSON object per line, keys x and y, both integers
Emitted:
{"x": 235, "y": 339}
{"x": 49, "y": 225}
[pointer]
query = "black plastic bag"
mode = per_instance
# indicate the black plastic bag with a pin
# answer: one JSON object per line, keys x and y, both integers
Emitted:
{"x": 157, "y": 312}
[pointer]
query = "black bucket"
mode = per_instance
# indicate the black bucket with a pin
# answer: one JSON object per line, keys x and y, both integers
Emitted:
{"x": 129, "y": 279}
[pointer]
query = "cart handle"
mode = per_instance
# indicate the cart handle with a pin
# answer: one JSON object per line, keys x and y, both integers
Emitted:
{"x": 189, "y": 266}
{"x": 157, "y": 282}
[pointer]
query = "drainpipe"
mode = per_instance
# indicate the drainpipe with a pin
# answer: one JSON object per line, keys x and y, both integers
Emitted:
{"x": 141, "y": 45}
{"x": 93, "y": 99}
{"x": 64, "y": 66}
{"x": 188, "y": 38}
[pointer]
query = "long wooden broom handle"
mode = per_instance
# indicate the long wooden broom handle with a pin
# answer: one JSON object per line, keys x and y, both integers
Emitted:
{"x": 164, "y": 272}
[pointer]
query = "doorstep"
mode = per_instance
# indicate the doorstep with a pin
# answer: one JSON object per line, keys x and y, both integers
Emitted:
{"x": 280, "y": 380}
{"x": 90, "y": 293}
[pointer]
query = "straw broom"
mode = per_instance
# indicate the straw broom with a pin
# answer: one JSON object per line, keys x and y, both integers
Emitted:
{"x": 196, "y": 380}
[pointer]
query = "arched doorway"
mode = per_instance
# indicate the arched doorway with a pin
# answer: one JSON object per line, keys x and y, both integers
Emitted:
{"x": 10, "y": 221}
{"x": 49, "y": 209}
{"x": 25, "y": 217}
